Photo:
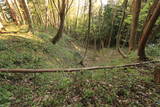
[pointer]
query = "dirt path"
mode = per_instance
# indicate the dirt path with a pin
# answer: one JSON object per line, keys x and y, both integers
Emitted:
{"x": 103, "y": 57}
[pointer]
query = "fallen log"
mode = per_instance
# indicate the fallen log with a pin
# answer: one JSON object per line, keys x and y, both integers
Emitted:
{"x": 74, "y": 69}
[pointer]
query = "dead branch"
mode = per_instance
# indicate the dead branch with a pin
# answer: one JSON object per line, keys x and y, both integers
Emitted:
{"x": 7, "y": 32}
{"x": 74, "y": 69}
{"x": 122, "y": 53}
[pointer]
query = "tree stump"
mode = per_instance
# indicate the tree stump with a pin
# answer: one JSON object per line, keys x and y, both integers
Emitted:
{"x": 157, "y": 74}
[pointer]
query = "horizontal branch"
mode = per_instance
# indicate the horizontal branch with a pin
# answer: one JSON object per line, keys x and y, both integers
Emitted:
{"x": 7, "y": 32}
{"x": 73, "y": 69}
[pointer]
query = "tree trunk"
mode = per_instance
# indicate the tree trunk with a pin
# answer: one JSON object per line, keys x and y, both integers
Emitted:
{"x": 27, "y": 13}
{"x": 62, "y": 14}
{"x": 147, "y": 31}
{"x": 1, "y": 26}
{"x": 53, "y": 14}
{"x": 118, "y": 39}
{"x": 61, "y": 27}
{"x": 60, "y": 30}
{"x": 19, "y": 11}
{"x": 88, "y": 32}
{"x": 136, "y": 11}
{"x": 157, "y": 74}
{"x": 150, "y": 13}
{"x": 47, "y": 13}
{"x": 3, "y": 14}
{"x": 12, "y": 12}
{"x": 40, "y": 20}
{"x": 77, "y": 15}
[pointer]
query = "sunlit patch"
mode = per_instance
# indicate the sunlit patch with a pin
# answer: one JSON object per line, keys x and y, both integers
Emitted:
{"x": 19, "y": 31}
{"x": 75, "y": 46}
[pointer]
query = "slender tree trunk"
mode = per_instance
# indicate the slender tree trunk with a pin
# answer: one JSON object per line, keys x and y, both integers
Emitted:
{"x": 121, "y": 24}
{"x": 88, "y": 32}
{"x": 27, "y": 13}
{"x": 60, "y": 31}
{"x": 40, "y": 20}
{"x": 147, "y": 30}
{"x": 3, "y": 14}
{"x": 111, "y": 32}
{"x": 61, "y": 27}
{"x": 47, "y": 13}
{"x": 19, "y": 11}
{"x": 150, "y": 13}
{"x": 135, "y": 13}
{"x": 12, "y": 12}
{"x": 1, "y": 26}
{"x": 53, "y": 14}
{"x": 76, "y": 22}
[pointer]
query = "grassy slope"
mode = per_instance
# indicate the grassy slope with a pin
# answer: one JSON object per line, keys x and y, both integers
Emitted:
{"x": 25, "y": 50}
{"x": 118, "y": 87}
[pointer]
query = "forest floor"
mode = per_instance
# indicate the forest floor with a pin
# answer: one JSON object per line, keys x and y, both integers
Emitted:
{"x": 123, "y": 87}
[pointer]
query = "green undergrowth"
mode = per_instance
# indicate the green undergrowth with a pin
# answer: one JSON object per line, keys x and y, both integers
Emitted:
{"x": 31, "y": 51}
{"x": 153, "y": 50}
{"x": 25, "y": 50}
{"x": 123, "y": 87}
{"x": 116, "y": 87}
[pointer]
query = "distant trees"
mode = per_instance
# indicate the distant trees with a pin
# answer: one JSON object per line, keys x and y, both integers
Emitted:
{"x": 19, "y": 12}
{"x": 112, "y": 24}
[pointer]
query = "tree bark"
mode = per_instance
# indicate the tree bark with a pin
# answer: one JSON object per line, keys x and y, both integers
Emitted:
{"x": 3, "y": 14}
{"x": 47, "y": 13}
{"x": 121, "y": 24}
{"x": 12, "y": 12}
{"x": 147, "y": 31}
{"x": 53, "y": 14}
{"x": 134, "y": 26}
{"x": 62, "y": 19}
{"x": 19, "y": 11}
{"x": 88, "y": 32}
{"x": 60, "y": 30}
{"x": 27, "y": 13}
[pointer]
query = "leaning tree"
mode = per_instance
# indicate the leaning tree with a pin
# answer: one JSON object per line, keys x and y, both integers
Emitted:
{"x": 62, "y": 7}
{"x": 152, "y": 17}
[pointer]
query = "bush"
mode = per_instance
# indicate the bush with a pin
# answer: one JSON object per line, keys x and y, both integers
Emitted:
{"x": 153, "y": 50}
